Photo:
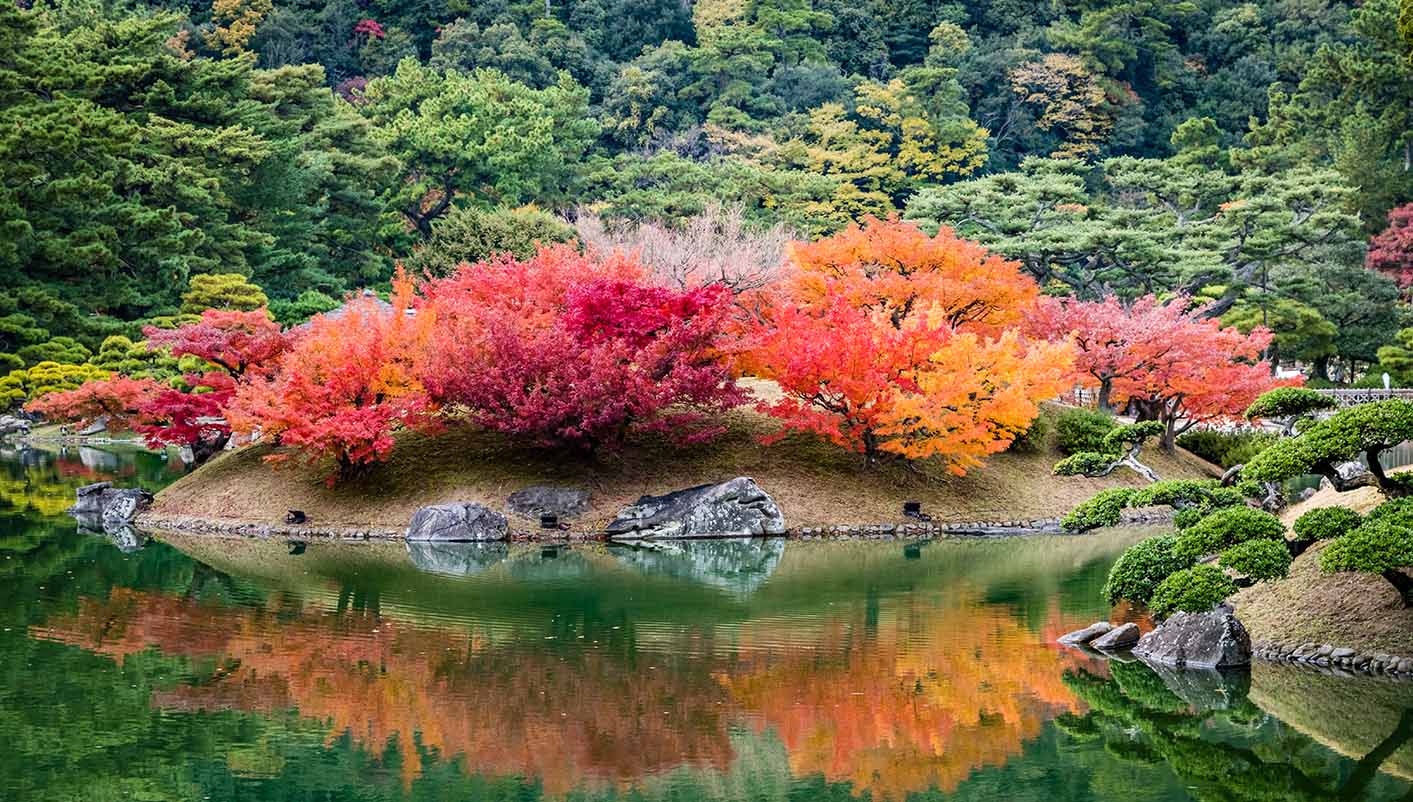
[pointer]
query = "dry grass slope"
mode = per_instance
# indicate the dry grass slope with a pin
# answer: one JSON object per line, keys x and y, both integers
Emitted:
{"x": 1360, "y": 611}
{"x": 814, "y": 482}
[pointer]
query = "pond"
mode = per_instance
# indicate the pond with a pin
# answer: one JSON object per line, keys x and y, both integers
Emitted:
{"x": 188, "y": 668}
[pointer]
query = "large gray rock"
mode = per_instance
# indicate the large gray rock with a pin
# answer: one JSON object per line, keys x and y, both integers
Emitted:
{"x": 1120, "y": 637}
{"x": 531, "y": 502}
{"x": 455, "y": 559}
{"x": 1214, "y": 639}
{"x": 98, "y": 426}
{"x": 1081, "y": 637}
{"x": 1205, "y": 689}
{"x": 456, "y": 522}
{"x": 736, "y": 508}
{"x": 9, "y": 424}
{"x": 100, "y": 505}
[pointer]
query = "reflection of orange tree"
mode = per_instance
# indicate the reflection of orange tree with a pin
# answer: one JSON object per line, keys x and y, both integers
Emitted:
{"x": 515, "y": 708}
{"x": 922, "y": 699}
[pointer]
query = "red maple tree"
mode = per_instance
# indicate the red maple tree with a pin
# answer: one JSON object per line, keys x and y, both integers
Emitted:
{"x": 1391, "y": 250}
{"x": 572, "y": 349}
{"x": 120, "y": 400}
{"x": 238, "y": 342}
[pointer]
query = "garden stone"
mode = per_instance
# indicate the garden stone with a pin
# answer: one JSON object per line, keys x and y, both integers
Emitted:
{"x": 102, "y": 506}
{"x": 1120, "y": 637}
{"x": 1341, "y": 653}
{"x": 9, "y": 424}
{"x": 99, "y": 426}
{"x": 1214, "y": 639}
{"x": 564, "y": 502}
{"x": 456, "y": 522}
{"x": 1081, "y": 637}
{"x": 735, "y": 508}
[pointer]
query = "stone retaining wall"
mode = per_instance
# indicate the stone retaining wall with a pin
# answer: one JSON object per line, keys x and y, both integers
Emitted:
{"x": 920, "y": 530}
{"x": 1335, "y": 659}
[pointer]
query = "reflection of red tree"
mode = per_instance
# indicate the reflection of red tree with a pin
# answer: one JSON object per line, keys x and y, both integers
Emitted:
{"x": 509, "y": 709}
{"x": 922, "y": 700}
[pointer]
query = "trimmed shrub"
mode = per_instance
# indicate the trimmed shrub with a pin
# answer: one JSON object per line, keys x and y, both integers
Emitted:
{"x": 1103, "y": 509}
{"x": 1326, "y": 523}
{"x": 1226, "y": 448}
{"x": 1036, "y": 437}
{"x": 1258, "y": 559}
{"x": 1375, "y": 547}
{"x": 1286, "y": 402}
{"x": 1227, "y": 527}
{"x": 1398, "y": 511}
{"x": 1141, "y": 568}
{"x": 1078, "y": 430}
{"x": 1192, "y": 590}
{"x": 1186, "y": 519}
{"x": 1083, "y": 463}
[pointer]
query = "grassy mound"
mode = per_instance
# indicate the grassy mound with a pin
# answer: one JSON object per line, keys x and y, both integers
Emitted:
{"x": 814, "y": 482}
{"x": 1360, "y": 611}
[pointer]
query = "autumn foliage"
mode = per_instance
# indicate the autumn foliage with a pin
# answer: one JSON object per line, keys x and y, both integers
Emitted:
{"x": 235, "y": 341}
{"x": 891, "y": 342}
{"x": 1164, "y": 359}
{"x": 121, "y": 399}
{"x": 572, "y": 349}
{"x": 1391, "y": 250}
{"x": 345, "y": 384}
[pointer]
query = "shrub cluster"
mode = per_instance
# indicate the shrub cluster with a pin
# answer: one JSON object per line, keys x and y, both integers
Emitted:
{"x": 1142, "y": 567}
{"x": 1227, "y": 527}
{"x": 1326, "y": 523}
{"x": 1258, "y": 559}
{"x": 1226, "y": 448}
{"x": 1193, "y": 590}
{"x": 1078, "y": 430}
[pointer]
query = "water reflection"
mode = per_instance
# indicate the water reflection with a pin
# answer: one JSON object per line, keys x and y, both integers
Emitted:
{"x": 239, "y": 669}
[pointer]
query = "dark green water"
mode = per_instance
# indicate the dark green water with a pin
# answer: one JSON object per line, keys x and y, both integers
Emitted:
{"x": 212, "y": 669}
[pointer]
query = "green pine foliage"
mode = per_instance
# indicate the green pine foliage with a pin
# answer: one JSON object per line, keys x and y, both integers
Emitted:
{"x": 1227, "y": 527}
{"x": 1140, "y": 569}
{"x": 1260, "y": 560}
{"x": 1192, "y": 590}
{"x": 1326, "y": 523}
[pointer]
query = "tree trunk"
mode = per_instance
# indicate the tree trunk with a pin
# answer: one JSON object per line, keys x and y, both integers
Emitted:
{"x": 1401, "y": 582}
{"x": 1106, "y": 387}
{"x": 1322, "y": 368}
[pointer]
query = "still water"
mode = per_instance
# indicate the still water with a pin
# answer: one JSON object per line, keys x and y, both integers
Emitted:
{"x": 222, "y": 669}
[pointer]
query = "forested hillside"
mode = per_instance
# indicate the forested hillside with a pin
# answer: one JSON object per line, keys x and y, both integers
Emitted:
{"x": 1245, "y": 153}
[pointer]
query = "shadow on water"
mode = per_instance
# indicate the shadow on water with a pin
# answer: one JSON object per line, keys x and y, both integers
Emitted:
{"x": 237, "y": 669}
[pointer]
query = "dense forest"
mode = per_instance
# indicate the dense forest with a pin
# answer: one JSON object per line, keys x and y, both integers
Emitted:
{"x": 1252, "y": 154}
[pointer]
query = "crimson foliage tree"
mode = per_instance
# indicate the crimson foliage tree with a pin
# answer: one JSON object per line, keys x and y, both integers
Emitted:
{"x": 572, "y": 349}
{"x": 237, "y": 342}
{"x": 1391, "y": 250}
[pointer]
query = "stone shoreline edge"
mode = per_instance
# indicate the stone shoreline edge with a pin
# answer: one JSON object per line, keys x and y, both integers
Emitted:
{"x": 1337, "y": 660}
{"x": 525, "y": 533}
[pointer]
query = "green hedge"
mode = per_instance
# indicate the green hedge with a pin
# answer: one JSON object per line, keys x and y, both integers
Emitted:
{"x": 1258, "y": 559}
{"x": 1142, "y": 567}
{"x": 1078, "y": 430}
{"x": 1193, "y": 590}
{"x": 1227, "y": 527}
{"x": 1326, "y": 523}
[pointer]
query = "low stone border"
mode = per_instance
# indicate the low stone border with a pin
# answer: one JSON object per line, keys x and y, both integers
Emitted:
{"x": 1336, "y": 658}
{"x": 908, "y": 531}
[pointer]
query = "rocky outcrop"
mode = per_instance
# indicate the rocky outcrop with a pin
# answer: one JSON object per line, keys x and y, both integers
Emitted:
{"x": 457, "y": 522}
{"x": 1214, "y": 639}
{"x": 736, "y": 508}
{"x": 1123, "y": 636}
{"x": 455, "y": 559}
{"x": 1081, "y": 637}
{"x": 11, "y": 425}
{"x": 98, "y": 426}
{"x": 562, "y": 502}
{"x": 102, "y": 506}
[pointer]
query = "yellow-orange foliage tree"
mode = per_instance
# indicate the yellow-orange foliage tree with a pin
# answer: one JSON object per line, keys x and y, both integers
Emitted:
{"x": 893, "y": 343}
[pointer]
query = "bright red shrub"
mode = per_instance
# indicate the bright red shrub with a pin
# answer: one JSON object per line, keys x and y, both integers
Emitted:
{"x": 568, "y": 349}
{"x": 194, "y": 417}
{"x": 120, "y": 398}
{"x": 233, "y": 340}
{"x": 347, "y": 383}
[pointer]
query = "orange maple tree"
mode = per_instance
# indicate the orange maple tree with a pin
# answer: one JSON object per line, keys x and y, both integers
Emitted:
{"x": 346, "y": 384}
{"x": 890, "y": 342}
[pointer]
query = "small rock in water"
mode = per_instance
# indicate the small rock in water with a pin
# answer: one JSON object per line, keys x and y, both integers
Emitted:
{"x": 1083, "y": 636}
{"x": 1120, "y": 637}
